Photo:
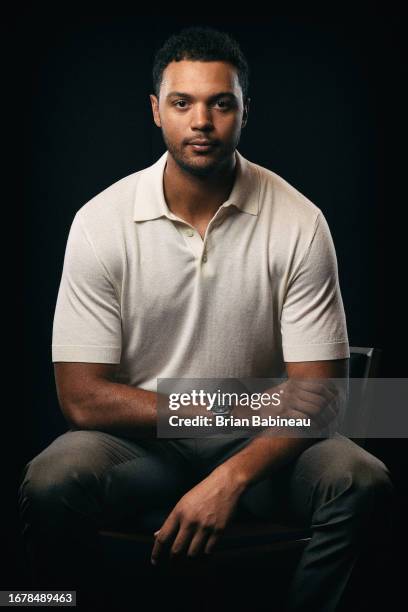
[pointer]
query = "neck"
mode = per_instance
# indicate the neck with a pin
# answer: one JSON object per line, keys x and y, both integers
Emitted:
{"x": 196, "y": 198}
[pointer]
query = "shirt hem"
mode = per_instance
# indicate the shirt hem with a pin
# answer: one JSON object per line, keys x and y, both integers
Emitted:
{"x": 317, "y": 352}
{"x": 89, "y": 354}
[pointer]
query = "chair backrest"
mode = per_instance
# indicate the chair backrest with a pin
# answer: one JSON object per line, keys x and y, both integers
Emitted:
{"x": 364, "y": 363}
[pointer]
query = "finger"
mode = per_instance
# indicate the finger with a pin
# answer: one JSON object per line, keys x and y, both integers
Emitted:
{"x": 333, "y": 411}
{"x": 329, "y": 391}
{"x": 164, "y": 537}
{"x": 315, "y": 413}
{"x": 327, "y": 408}
{"x": 182, "y": 541}
{"x": 198, "y": 542}
{"x": 308, "y": 405}
{"x": 211, "y": 542}
{"x": 327, "y": 415}
{"x": 316, "y": 427}
{"x": 325, "y": 388}
{"x": 296, "y": 414}
{"x": 320, "y": 408}
{"x": 293, "y": 397}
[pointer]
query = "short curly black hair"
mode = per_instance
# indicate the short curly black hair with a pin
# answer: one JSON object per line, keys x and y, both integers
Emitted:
{"x": 201, "y": 43}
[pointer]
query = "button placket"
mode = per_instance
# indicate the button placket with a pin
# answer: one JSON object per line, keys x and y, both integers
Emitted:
{"x": 192, "y": 239}
{"x": 209, "y": 235}
{"x": 195, "y": 242}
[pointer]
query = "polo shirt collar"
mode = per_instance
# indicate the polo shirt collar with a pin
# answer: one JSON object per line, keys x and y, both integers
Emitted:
{"x": 150, "y": 202}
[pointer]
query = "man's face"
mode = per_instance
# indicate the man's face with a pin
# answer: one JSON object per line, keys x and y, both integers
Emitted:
{"x": 200, "y": 101}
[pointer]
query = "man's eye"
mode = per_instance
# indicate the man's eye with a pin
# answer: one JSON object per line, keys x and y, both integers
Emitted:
{"x": 224, "y": 104}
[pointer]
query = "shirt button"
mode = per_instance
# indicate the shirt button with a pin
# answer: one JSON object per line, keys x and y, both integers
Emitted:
{"x": 204, "y": 258}
{"x": 189, "y": 233}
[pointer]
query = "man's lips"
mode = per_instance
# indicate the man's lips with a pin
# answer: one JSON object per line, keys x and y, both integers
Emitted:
{"x": 202, "y": 145}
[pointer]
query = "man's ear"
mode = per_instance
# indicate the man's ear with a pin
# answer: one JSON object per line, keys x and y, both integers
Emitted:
{"x": 155, "y": 109}
{"x": 246, "y": 112}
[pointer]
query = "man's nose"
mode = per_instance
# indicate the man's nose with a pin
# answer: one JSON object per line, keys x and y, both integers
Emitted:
{"x": 201, "y": 118}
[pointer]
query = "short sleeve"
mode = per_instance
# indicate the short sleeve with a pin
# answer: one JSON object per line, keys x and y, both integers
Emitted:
{"x": 313, "y": 321}
{"x": 87, "y": 321}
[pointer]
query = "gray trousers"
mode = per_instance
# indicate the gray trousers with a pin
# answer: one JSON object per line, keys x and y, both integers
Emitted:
{"x": 85, "y": 480}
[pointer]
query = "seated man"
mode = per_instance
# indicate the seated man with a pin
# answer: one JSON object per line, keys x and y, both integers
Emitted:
{"x": 203, "y": 265}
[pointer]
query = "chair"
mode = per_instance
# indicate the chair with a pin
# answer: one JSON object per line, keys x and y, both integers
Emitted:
{"x": 364, "y": 364}
{"x": 251, "y": 540}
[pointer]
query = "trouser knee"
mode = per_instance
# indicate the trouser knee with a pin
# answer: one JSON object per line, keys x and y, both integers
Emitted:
{"x": 363, "y": 495}
{"x": 53, "y": 493}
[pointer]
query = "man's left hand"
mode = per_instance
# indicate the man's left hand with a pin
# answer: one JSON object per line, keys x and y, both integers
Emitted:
{"x": 199, "y": 517}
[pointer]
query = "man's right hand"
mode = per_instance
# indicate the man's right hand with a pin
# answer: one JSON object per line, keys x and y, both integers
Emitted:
{"x": 300, "y": 398}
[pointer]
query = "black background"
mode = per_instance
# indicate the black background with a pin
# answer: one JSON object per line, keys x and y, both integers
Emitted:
{"x": 326, "y": 114}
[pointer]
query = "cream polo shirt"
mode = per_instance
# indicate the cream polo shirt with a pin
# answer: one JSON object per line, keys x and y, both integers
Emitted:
{"x": 142, "y": 289}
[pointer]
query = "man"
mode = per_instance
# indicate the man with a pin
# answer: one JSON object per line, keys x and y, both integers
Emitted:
{"x": 204, "y": 265}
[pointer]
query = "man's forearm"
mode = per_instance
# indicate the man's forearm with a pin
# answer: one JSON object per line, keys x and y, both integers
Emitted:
{"x": 122, "y": 410}
{"x": 261, "y": 457}
{"x": 118, "y": 409}
{"x": 267, "y": 453}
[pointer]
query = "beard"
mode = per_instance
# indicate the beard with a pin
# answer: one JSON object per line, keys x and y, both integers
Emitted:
{"x": 201, "y": 165}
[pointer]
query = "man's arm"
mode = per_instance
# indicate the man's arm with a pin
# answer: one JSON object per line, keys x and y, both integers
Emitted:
{"x": 199, "y": 518}
{"x": 265, "y": 454}
{"x": 90, "y": 398}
